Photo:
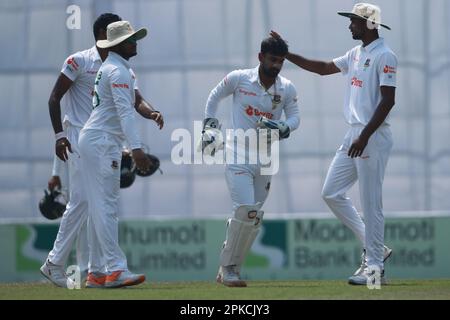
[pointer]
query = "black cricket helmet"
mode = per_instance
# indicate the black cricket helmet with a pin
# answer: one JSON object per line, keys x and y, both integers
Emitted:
{"x": 127, "y": 170}
{"x": 50, "y": 207}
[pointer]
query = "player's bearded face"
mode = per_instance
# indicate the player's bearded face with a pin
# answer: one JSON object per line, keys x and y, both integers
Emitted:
{"x": 357, "y": 28}
{"x": 271, "y": 64}
{"x": 128, "y": 49}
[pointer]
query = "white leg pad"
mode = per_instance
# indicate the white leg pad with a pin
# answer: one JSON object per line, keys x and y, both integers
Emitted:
{"x": 242, "y": 230}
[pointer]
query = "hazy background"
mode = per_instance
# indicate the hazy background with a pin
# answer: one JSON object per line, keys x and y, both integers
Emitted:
{"x": 192, "y": 44}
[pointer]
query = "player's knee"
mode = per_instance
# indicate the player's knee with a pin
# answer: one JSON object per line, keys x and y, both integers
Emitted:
{"x": 249, "y": 213}
{"x": 328, "y": 196}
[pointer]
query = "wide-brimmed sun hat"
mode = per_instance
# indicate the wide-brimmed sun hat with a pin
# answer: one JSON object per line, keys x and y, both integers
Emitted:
{"x": 118, "y": 32}
{"x": 366, "y": 11}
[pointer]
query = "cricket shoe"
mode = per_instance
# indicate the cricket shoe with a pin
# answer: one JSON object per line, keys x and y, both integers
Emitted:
{"x": 95, "y": 280}
{"x": 386, "y": 254}
{"x": 123, "y": 278}
{"x": 229, "y": 277}
{"x": 366, "y": 278}
{"x": 56, "y": 275}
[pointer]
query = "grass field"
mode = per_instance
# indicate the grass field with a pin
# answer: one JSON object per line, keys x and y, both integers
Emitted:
{"x": 257, "y": 290}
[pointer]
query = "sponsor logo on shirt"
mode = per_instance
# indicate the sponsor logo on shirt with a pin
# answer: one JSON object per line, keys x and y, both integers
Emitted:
{"x": 252, "y": 111}
{"x": 71, "y": 62}
{"x": 120, "y": 85}
{"x": 247, "y": 93}
{"x": 356, "y": 82}
{"x": 389, "y": 69}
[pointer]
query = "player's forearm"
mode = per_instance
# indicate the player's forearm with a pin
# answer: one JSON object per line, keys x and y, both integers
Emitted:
{"x": 319, "y": 67}
{"x": 54, "y": 108}
{"x": 212, "y": 104}
{"x": 378, "y": 118}
{"x": 142, "y": 107}
{"x": 145, "y": 109}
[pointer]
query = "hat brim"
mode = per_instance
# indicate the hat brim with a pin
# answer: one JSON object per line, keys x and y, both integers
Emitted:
{"x": 352, "y": 15}
{"x": 140, "y": 34}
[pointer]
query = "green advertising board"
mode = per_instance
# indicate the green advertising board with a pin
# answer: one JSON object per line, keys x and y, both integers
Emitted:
{"x": 186, "y": 250}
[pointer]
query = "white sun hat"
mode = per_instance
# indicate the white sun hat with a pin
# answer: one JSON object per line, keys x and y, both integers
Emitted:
{"x": 119, "y": 31}
{"x": 366, "y": 11}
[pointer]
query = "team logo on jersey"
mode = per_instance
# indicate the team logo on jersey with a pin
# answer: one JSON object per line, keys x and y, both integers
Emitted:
{"x": 115, "y": 164}
{"x": 366, "y": 64}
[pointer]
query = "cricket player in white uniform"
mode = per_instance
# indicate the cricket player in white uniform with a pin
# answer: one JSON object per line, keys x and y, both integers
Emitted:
{"x": 111, "y": 122}
{"x": 60, "y": 181}
{"x": 258, "y": 92}
{"x": 370, "y": 70}
{"x": 74, "y": 91}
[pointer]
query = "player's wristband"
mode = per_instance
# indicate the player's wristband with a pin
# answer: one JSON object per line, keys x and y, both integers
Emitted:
{"x": 60, "y": 135}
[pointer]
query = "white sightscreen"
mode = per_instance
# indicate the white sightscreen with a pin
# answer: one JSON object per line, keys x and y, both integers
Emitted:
{"x": 192, "y": 45}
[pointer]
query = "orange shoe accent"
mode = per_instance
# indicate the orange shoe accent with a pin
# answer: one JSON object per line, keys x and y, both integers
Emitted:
{"x": 92, "y": 279}
{"x": 113, "y": 276}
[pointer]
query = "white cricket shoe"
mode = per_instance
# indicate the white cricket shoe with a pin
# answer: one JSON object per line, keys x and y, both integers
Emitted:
{"x": 363, "y": 278}
{"x": 56, "y": 275}
{"x": 387, "y": 253}
{"x": 229, "y": 276}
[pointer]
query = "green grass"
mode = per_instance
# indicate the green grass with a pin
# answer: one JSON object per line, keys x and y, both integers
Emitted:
{"x": 256, "y": 290}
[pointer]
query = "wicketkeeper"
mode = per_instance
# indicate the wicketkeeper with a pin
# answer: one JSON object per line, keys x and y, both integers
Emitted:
{"x": 260, "y": 96}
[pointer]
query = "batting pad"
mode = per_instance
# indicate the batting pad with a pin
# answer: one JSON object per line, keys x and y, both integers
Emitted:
{"x": 242, "y": 230}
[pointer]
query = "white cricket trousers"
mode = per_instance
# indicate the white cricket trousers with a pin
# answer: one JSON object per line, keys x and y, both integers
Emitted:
{"x": 101, "y": 154}
{"x": 73, "y": 222}
{"x": 246, "y": 184}
{"x": 369, "y": 169}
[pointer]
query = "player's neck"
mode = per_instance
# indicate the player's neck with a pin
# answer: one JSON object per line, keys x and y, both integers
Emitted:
{"x": 265, "y": 80}
{"x": 103, "y": 53}
{"x": 369, "y": 38}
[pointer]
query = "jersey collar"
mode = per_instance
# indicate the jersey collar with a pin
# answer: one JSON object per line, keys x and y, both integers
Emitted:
{"x": 255, "y": 79}
{"x": 117, "y": 57}
{"x": 95, "y": 54}
{"x": 373, "y": 45}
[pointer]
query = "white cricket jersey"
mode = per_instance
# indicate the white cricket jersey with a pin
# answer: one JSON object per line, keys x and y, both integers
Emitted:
{"x": 367, "y": 69}
{"x": 251, "y": 100}
{"x": 113, "y": 101}
{"x": 81, "y": 68}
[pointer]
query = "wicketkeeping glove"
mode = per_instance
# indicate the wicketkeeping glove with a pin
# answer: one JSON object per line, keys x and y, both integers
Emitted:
{"x": 212, "y": 138}
{"x": 281, "y": 126}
